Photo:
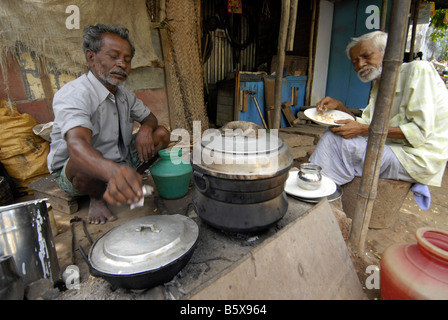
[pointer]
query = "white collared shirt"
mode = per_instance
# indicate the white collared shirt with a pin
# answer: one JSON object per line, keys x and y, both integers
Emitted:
{"x": 86, "y": 102}
{"x": 420, "y": 109}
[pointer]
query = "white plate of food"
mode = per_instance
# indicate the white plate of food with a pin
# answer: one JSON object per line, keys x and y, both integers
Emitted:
{"x": 328, "y": 187}
{"x": 328, "y": 118}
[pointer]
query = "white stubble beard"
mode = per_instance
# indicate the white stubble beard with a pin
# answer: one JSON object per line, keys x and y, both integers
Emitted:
{"x": 111, "y": 81}
{"x": 369, "y": 73}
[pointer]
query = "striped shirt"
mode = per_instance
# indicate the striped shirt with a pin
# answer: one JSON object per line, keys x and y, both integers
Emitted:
{"x": 420, "y": 109}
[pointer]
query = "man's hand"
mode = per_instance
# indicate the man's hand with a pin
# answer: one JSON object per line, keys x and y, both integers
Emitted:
{"x": 145, "y": 144}
{"x": 125, "y": 186}
{"x": 145, "y": 140}
{"x": 350, "y": 129}
{"x": 328, "y": 103}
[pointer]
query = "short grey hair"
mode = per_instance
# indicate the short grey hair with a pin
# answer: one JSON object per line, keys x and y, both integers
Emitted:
{"x": 93, "y": 36}
{"x": 379, "y": 39}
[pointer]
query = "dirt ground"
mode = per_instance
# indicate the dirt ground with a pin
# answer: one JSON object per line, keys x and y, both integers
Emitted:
{"x": 409, "y": 219}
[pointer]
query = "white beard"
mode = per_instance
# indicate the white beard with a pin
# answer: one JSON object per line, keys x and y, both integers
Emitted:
{"x": 369, "y": 73}
{"x": 112, "y": 81}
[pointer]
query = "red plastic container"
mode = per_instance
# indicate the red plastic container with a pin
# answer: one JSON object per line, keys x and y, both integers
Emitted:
{"x": 416, "y": 271}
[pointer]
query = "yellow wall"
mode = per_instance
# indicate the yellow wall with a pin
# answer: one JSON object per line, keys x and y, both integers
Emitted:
{"x": 33, "y": 83}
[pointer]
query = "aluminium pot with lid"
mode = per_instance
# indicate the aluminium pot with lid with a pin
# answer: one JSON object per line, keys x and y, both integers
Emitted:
{"x": 144, "y": 252}
{"x": 237, "y": 154}
{"x": 239, "y": 178}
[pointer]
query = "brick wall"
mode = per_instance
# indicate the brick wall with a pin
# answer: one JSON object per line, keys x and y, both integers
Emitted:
{"x": 24, "y": 87}
{"x": 15, "y": 88}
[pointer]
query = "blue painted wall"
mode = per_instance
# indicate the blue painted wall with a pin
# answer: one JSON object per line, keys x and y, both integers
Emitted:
{"x": 288, "y": 83}
{"x": 349, "y": 21}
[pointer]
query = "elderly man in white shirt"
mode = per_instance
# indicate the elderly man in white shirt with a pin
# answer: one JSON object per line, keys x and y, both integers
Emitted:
{"x": 93, "y": 151}
{"x": 416, "y": 148}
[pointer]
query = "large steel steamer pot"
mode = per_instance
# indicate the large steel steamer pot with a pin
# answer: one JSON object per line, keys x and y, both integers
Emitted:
{"x": 25, "y": 234}
{"x": 239, "y": 182}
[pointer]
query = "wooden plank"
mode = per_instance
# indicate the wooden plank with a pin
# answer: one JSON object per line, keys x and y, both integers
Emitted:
{"x": 237, "y": 96}
{"x": 48, "y": 188}
{"x": 60, "y": 204}
{"x": 244, "y": 105}
{"x": 287, "y": 112}
{"x": 294, "y": 96}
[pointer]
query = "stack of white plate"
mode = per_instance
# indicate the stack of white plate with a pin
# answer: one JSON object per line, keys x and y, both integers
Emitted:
{"x": 327, "y": 189}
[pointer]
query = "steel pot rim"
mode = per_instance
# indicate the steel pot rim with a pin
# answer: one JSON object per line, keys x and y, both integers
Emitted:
{"x": 243, "y": 175}
{"x": 22, "y": 204}
{"x": 242, "y": 157}
{"x": 145, "y": 279}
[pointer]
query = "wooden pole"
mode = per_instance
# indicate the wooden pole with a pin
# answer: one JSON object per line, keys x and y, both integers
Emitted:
{"x": 46, "y": 86}
{"x": 414, "y": 28}
{"x": 311, "y": 53}
{"x": 286, "y": 6}
{"x": 384, "y": 8}
{"x": 378, "y": 129}
{"x": 166, "y": 47}
{"x": 292, "y": 25}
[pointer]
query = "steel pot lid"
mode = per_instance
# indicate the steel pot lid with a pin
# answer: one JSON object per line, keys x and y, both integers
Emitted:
{"x": 144, "y": 244}
{"x": 241, "y": 145}
{"x": 242, "y": 157}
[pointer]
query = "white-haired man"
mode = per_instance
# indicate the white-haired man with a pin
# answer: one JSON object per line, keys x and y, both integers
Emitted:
{"x": 416, "y": 148}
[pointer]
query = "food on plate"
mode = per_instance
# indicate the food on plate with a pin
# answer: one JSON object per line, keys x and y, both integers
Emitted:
{"x": 330, "y": 117}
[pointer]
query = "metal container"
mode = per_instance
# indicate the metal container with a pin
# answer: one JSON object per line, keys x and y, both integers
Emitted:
{"x": 11, "y": 284}
{"x": 25, "y": 234}
{"x": 239, "y": 180}
{"x": 309, "y": 176}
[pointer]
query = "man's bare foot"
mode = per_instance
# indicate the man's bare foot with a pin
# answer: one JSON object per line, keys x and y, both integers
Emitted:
{"x": 99, "y": 213}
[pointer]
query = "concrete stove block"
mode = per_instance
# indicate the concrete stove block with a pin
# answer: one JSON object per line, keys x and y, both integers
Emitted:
{"x": 307, "y": 259}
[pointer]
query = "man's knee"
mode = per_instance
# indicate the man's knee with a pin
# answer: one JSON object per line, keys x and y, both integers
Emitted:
{"x": 327, "y": 142}
{"x": 77, "y": 183}
{"x": 329, "y": 137}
